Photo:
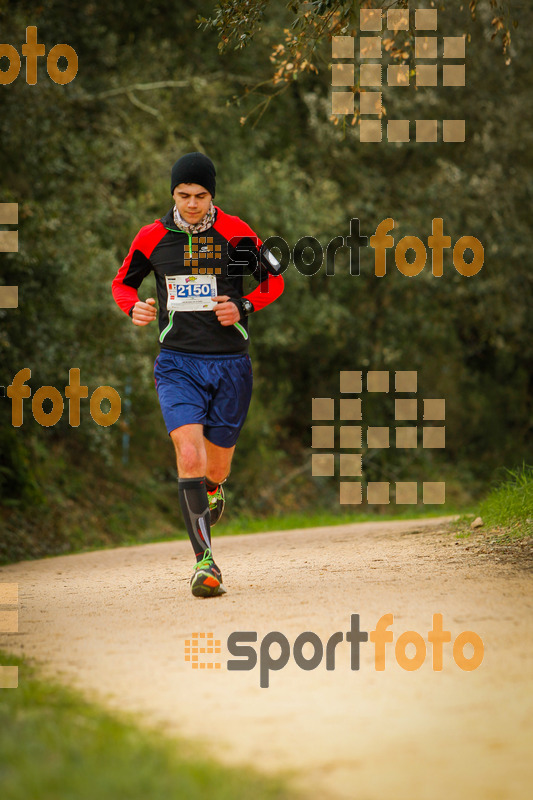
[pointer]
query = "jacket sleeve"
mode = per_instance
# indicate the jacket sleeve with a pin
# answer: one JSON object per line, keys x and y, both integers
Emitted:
{"x": 248, "y": 255}
{"x": 135, "y": 268}
{"x": 267, "y": 291}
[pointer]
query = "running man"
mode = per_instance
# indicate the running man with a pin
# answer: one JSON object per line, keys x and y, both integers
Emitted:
{"x": 203, "y": 374}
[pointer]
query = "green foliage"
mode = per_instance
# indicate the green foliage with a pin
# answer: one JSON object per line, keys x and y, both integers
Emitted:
{"x": 510, "y": 505}
{"x": 56, "y": 746}
{"x": 238, "y": 21}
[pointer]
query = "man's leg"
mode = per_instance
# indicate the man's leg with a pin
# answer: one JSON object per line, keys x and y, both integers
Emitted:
{"x": 191, "y": 457}
{"x": 218, "y": 463}
{"x": 191, "y": 460}
{"x": 217, "y": 470}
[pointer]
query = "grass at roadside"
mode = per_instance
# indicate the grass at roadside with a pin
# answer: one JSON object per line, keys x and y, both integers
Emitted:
{"x": 56, "y": 746}
{"x": 236, "y": 525}
{"x": 316, "y": 519}
{"x": 507, "y": 511}
{"x": 509, "y": 507}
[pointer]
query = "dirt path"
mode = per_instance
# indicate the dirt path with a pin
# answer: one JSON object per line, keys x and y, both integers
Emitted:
{"x": 114, "y": 623}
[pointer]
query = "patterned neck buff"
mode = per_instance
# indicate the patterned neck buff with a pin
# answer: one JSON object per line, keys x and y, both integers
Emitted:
{"x": 198, "y": 227}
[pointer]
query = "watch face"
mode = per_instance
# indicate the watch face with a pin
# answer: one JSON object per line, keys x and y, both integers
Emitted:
{"x": 247, "y": 307}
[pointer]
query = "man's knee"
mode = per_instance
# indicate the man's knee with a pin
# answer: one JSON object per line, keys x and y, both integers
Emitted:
{"x": 190, "y": 456}
{"x": 217, "y": 474}
{"x": 191, "y": 460}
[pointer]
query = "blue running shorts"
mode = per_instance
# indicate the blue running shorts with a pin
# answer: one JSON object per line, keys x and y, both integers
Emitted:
{"x": 212, "y": 390}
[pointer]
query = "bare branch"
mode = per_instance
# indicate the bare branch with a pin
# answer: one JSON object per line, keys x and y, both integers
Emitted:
{"x": 142, "y": 106}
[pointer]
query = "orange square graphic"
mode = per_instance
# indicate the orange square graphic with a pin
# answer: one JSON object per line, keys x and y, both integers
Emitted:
{"x": 350, "y": 409}
{"x": 370, "y": 103}
{"x": 453, "y": 75}
{"x": 9, "y": 241}
{"x": 9, "y": 213}
{"x": 351, "y": 493}
{"x": 342, "y": 75}
{"x": 322, "y": 465}
{"x": 323, "y": 408}
{"x": 323, "y": 436}
{"x": 398, "y": 130}
{"x": 351, "y": 464}
{"x": 9, "y": 621}
{"x": 342, "y": 47}
{"x": 398, "y": 20}
{"x": 406, "y": 492}
{"x": 377, "y": 381}
{"x": 370, "y": 130}
{"x": 435, "y": 409}
{"x": 9, "y": 677}
{"x": 210, "y": 646}
{"x": 9, "y": 594}
{"x": 454, "y": 46}
{"x": 434, "y": 437}
{"x": 342, "y": 102}
{"x": 9, "y": 296}
{"x": 426, "y": 130}
{"x": 406, "y": 381}
{"x": 370, "y": 19}
{"x": 434, "y": 493}
{"x": 351, "y": 436}
{"x": 351, "y": 381}
{"x": 453, "y": 130}
{"x": 426, "y": 19}
{"x": 377, "y": 492}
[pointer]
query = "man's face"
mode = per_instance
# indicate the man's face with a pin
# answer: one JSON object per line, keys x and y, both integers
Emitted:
{"x": 192, "y": 201}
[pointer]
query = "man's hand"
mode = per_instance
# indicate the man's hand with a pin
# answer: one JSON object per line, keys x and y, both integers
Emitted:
{"x": 227, "y": 312}
{"x": 143, "y": 313}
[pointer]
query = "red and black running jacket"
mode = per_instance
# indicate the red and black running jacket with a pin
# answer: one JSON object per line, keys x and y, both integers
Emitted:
{"x": 229, "y": 249}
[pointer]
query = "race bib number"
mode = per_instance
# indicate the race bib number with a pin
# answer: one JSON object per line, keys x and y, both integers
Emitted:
{"x": 191, "y": 292}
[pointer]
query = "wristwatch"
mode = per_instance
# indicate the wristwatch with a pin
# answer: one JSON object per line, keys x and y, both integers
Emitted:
{"x": 247, "y": 307}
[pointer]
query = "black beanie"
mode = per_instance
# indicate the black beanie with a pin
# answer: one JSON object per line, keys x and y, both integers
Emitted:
{"x": 194, "y": 168}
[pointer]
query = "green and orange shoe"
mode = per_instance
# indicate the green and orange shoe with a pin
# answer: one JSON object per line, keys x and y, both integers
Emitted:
{"x": 217, "y": 503}
{"x": 207, "y": 578}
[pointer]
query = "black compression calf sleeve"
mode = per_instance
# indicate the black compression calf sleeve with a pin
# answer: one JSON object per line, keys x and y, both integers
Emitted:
{"x": 210, "y": 485}
{"x": 195, "y": 509}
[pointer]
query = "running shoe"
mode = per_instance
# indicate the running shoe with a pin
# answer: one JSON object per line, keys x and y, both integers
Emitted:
{"x": 217, "y": 504}
{"x": 207, "y": 578}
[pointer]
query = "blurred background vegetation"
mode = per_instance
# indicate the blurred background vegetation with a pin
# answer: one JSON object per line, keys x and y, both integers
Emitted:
{"x": 89, "y": 162}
